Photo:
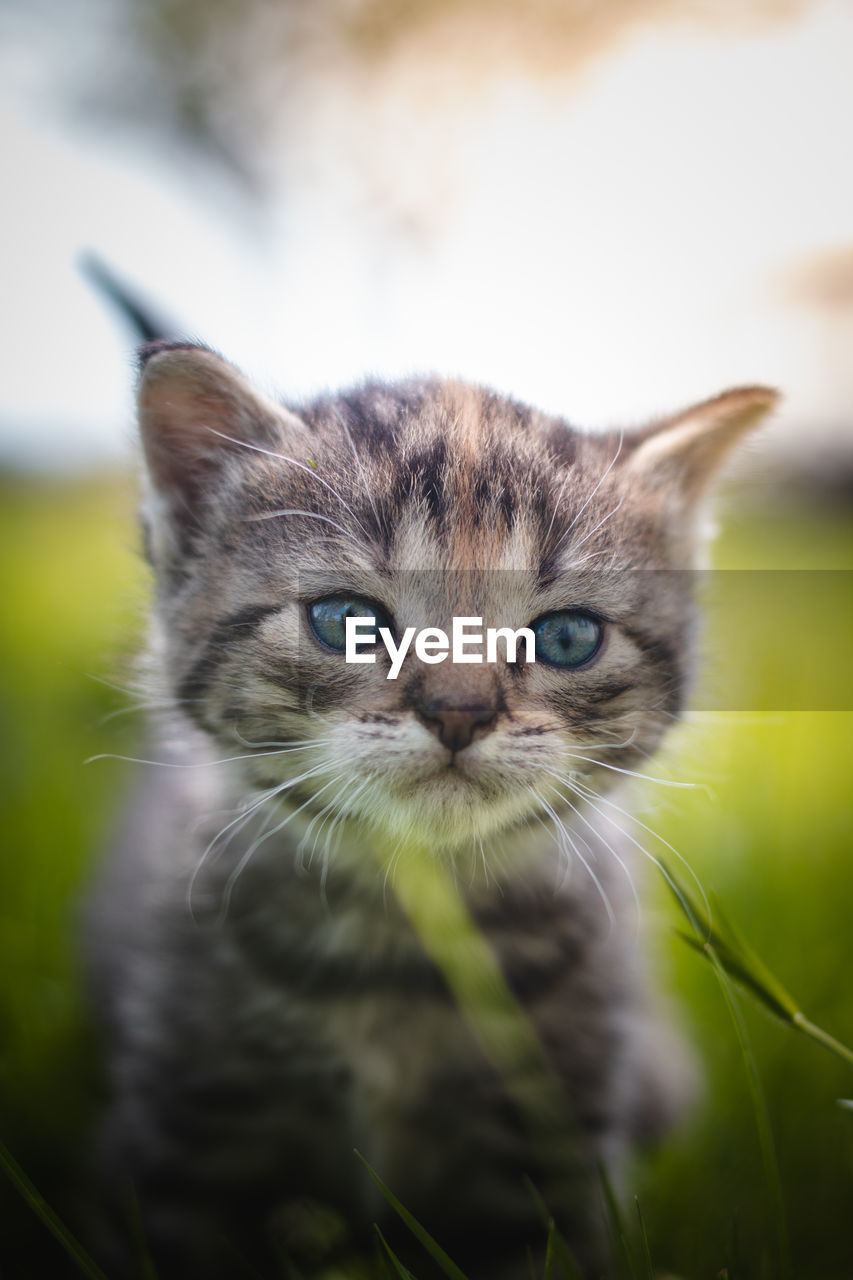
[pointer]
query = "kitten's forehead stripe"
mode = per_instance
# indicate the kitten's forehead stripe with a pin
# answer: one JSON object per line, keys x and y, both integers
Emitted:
{"x": 472, "y": 464}
{"x": 424, "y": 478}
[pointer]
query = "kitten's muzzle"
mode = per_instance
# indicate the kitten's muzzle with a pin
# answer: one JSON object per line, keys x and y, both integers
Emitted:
{"x": 455, "y": 723}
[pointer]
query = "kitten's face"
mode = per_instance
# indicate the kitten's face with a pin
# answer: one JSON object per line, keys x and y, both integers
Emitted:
{"x": 420, "y": 504}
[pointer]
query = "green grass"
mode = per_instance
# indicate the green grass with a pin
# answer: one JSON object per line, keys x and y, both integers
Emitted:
{"x": 71, "y": 589}
{"x": 771, "y": 840}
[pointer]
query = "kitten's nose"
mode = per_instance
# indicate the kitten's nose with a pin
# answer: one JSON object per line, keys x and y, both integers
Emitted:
{"x": 455, "y": 723}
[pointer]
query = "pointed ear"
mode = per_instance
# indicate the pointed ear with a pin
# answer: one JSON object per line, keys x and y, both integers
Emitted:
{"x": 195, "y": 412}
{"x": 685, "y": 452}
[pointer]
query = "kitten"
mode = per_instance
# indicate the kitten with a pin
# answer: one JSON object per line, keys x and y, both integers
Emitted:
{"x": 268, "y": 1004}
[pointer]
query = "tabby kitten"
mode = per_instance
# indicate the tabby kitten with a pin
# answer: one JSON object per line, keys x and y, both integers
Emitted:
{"x": 268, "y": 1004}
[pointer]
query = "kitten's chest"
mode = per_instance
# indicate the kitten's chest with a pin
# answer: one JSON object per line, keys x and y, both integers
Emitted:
{"x": 357, "y": 992}
{"x": 400, "y": 1054}
{"x": 370, "y": 1023}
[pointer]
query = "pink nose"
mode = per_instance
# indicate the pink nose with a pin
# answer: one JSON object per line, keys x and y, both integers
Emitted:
{"x": 455, "y": 724}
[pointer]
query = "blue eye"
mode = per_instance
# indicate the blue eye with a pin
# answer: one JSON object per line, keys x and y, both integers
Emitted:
{"x": 567, "y": 638}
{"x": 326, "y": 618}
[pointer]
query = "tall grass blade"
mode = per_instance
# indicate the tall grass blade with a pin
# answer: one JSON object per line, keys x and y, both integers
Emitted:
{"x": 51, "y": 1220}
{"x": 433, "y": 1248}
{"x": 731, "y": 958}
{"x": 762, "y": 1120}
{"x": 720, "y": 941}
{"x": 402, "y": 1272}
{"x": 644, "y": 1241}
{"x": 143, "y": 1259}
{"x": 559, "y": 1245}
{"x": 820, "y": 1036}
{"x": 548, "y": 1270}
{"x": 617, "y": 1225}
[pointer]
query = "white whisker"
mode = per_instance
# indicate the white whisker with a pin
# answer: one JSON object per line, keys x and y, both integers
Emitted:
{"x": 321, "y": 816}
{"x": 281, "y": 457}
{"x": 591, "y": 796}
{"x": 484, "y": 861}
{"x": 246, "y": 858}
{"x": 247, "y": 810}
{"x": 621, "y": 862}
{"x": 556, "y": 507}
{"x": 162, "y": 704}
{"x": 632, "y": 773}
{"x": 594, "y": 746}
{"x": 595, "y": 528}
{"x": 291, "y": 511}
{"x": 197, "y": 764}
{"x": 343, "y": 424}
{"x": 611, "y": 464}
{"x": 586, "y": 865}
{"x": 389, "y": 868}
{"x": 295, "y": 742}
{"x": 335, "y": 831}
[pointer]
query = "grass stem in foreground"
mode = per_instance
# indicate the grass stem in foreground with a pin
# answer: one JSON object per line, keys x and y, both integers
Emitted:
{"x": 51, "y": 1220}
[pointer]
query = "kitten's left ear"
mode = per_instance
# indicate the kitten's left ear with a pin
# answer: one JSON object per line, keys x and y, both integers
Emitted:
{"x": 196, "y": 411}
{"x": 197, "y": 414}
{"x": 683, "y": 453}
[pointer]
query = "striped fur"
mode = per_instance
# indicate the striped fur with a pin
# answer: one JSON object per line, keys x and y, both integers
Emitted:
{"x": 267, "y": 1004}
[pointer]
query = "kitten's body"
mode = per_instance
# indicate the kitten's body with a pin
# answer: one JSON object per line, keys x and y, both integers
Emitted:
{"x": 268, "y": 1003}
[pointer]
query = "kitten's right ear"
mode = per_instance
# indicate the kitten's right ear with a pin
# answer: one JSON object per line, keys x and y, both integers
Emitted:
{"x": 683, "y": 454}
{"x": 196, "y": 412}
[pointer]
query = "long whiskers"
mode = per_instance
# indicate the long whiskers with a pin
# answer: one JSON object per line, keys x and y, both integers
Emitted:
{"x": 346, "y": 430}
{"x": 567, "y": 863}
{"x": 246, "y": 812}
{"x": 281, "y": 457}
{"x": 161, "y": 704}
{"x": 611, "y": 464}
{"x": 292, "y": 511}
{"x": 335, "y": 831}
{"x": 295, "y": 742}
{"x": 611, "y": 915}
{"x": 201, "y": 764}
{"x": 619, "y": 860}
{"x": 559, "y": 726}
{"x": 590, "y": 796}
{"x": 246, "y": 858}
{"x": 603, "y": 521}
{"x": 633, "y": 773}
{"x": 322, "y": 817}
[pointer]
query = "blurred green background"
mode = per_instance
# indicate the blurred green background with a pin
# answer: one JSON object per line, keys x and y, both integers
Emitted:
{"x": 769, "y": 833}
{"x": 612, "y": 208}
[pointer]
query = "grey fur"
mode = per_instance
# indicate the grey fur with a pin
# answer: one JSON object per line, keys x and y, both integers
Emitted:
{"x": 267, "y": 1004}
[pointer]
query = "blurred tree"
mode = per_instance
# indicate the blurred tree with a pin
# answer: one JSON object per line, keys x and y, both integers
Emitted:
{"x": 231, "y": 78}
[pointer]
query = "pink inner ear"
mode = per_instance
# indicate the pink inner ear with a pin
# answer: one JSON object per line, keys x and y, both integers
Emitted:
{"x": 195, "y": 411}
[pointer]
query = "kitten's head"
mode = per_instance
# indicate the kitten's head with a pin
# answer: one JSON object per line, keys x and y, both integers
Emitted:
{"x": 415, "y": 504}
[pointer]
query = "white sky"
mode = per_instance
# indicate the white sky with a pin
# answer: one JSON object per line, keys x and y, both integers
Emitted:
{"x": 608, "y": 252}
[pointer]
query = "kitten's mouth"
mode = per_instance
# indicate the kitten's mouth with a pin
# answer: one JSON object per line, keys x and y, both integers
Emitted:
{"x": 446, "y": 774}
{"x": 458, "y": 779}
{"x": 454, "y": 764}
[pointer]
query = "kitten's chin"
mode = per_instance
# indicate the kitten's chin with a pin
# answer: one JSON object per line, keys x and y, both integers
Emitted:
{"x": 448, "y": 809}
{"x": 409, "y": 788}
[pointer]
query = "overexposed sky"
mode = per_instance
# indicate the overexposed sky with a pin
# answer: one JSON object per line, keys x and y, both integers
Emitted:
{"x": 609, "y": 248}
